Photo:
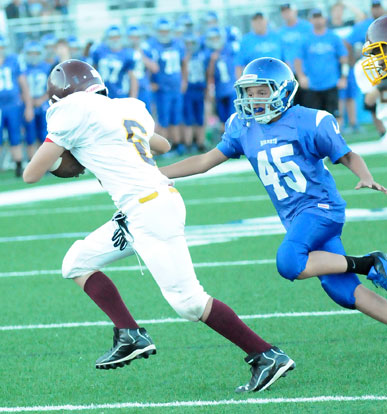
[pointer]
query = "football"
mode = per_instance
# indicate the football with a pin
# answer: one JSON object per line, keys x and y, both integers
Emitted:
{"x": 68, "y": 166}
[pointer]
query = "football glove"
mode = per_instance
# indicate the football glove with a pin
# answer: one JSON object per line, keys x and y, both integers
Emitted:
{"x": 121, "y": 236}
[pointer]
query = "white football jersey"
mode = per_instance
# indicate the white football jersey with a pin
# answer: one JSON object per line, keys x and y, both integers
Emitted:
{"x": 110, "y": 137}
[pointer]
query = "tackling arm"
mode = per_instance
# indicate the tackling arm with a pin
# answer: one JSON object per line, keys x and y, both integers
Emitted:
{"x": 194, "y": 165}
{"x": 358, "y": 166}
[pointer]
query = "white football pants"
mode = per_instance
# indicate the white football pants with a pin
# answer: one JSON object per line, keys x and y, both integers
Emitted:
{"x": 156, "y": 222}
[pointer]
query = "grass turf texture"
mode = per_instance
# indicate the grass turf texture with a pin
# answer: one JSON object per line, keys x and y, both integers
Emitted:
{"x": 335, "y": 355}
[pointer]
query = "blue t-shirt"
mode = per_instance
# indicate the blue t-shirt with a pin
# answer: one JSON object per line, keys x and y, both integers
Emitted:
{"x": 254, "y": 46}
{"x": 287, "y": 156}
{"x": 169, "y": 58}
{"x": 359, "y": 32}
{"x": 10, "y": 71}
{"x": 224, "y": 73}
{"x": 37, "y": 76}
{"x": 292, "y": 38}
{"x": 320, "y": 55}
{"x": 113, "y": 67}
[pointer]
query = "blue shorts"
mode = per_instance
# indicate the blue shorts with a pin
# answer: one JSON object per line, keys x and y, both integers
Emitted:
{"x": 169, "y": 108}
{"x": 194, "y": 107}
{"x": 309, "y": 232}
{"x": 37, "y": 128}
{"x": 146, "y": 95}
{"x": 350, "y": 92}
{"x": 11, "y": 118}
{"x": 225, "y": 107}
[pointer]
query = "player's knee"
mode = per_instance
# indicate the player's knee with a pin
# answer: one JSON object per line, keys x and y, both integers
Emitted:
{"x": 71, "y": 265}
{"x": 188, "y": 305}
{"x": 343, "y": 295}
{"x": 291, "y": 260}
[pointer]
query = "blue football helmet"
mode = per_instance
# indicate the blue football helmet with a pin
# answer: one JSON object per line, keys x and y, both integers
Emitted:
{"x": 33, "y": 51}
{"x": 163, "y": 29}
{"x": 282, "y": 84}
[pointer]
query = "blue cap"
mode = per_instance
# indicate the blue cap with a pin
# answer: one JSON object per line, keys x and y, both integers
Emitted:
{"x": 113, "y": 31}
{"x": 316, "y": 12}
{"x": 49, "y": 39}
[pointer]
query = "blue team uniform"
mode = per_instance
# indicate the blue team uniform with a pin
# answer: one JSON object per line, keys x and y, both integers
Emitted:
{"x": 194, "y": 95}
{"x": 254, "y": 46}
{"x": 37, "y": 76}
{"x": 320, "y": 55}
{"x": 287, "y": 156}
{"x": 113, "y": 67}
{"x": 224, "y": 78}
{"x": 291, "y": 39}
{"x": 169, "y": 99}
{"x": 10, "y": 99}
{"x": 142, "y": 75}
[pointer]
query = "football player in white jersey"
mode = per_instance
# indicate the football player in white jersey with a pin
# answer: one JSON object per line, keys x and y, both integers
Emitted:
{"x": 113, "y": 138}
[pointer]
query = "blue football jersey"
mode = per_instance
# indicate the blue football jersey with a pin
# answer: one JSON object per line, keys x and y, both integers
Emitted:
{"x": 10, "y": 71}
{"x": 169, "y": 58}
{"x": 196, "y": 68}
{"x": 224, "y": 74}
{"x": 287, "y": 156}
{"x": 113, "y": 67}
{"x": 37, "y": 78}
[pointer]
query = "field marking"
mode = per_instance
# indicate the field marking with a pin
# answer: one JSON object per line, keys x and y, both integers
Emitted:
{"x": 192, "y": 202}
{"x": 137, "y": 267}
{"x": 248, "y": 401}
{"x": 178, "y": 320}
{"x": 200, "y": 235}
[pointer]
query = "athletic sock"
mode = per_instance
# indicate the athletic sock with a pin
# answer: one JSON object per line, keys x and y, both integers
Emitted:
{"x": 361, "y": 265}
{"x": 105, "y": 294}
{"x": 226, "y": 322}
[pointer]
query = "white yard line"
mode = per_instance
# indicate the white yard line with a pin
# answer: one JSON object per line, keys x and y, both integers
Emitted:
{"x": 192, "y": 202}
{"x": 248, "y": 401}
{"x": 136, "y": 268}
{"x": 177, "y": 320}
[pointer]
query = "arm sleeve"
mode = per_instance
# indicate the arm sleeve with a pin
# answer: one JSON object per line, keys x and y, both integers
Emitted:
{"x": 230, "y": 144}
{"x": 328, "y": 141}
{"x": 64, "y": 124}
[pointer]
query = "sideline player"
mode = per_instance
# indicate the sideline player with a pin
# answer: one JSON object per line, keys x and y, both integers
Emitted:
{"x": 113, "y": 139}
{"x": 286, "y": 146}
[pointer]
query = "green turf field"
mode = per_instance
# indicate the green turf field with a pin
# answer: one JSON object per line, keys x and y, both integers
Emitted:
{"x": 340, "y": 356}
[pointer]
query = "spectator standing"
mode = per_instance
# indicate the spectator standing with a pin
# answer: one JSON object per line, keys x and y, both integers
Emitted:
{"x": 170, "y": 82}
{"x": 355, "y": 42}
{"x": 194, "y": 97}
{"x": 292, "y": 34}
{"x": 322, "y": 67}
{"x": 343, "y": 27}
{"x": 13, "y": 91}
{"x": 37, "y": 71}
{"x": 221, "y": 71}
{"x": 144, "y": 65}
{"x": 115, "y": 65}
{"x": 17, "y": 9}
{"x": 260, "y": 42}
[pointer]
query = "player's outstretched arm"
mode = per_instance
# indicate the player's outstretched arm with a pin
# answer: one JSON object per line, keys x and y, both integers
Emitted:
{"x": 358, "y": 166}
{"x": 194, "y": 165}
{"x": 158, "y": 144}
{"x": 42, "y": 161}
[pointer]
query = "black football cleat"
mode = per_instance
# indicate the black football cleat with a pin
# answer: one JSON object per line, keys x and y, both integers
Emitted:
{"x": 266, "y": 368}
{"x": 378, "y": 272}
{"x": 128, "y": 344}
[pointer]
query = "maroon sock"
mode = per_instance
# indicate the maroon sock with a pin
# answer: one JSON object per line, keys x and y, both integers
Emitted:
{"x": 225, "y": 321}
{"x": 105, "y": 294}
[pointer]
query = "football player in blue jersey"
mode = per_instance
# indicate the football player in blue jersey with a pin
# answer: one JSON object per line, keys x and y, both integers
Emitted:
{"x": 13, "y": 91}
{"x": 193, "y": 108}
{"x": 286, "y": 146}
{"x": 37, "y": 71}
{"x": 115, "y": 65}
{"x": 170, "y": 81}
{"x": 140, "y": 52}
{"x": 221, "y": 69}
